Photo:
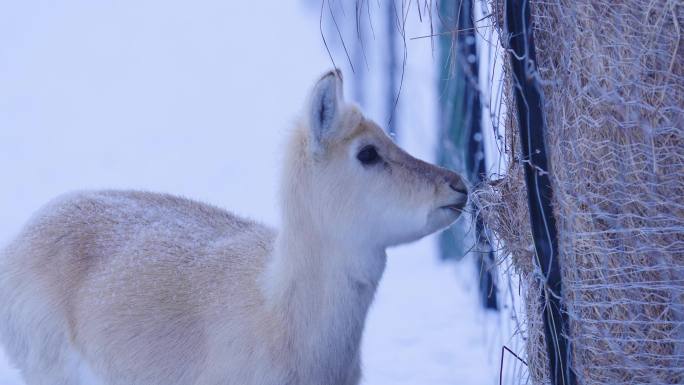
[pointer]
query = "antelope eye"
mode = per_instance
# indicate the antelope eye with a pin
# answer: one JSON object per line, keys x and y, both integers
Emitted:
{"x": 368, "y": 155}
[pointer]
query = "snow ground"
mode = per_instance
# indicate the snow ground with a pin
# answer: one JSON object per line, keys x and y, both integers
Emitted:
{"x": 196, "y": 100}
{"x": 426, "y": 325}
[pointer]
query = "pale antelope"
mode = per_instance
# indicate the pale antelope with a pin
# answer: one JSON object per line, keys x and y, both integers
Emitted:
{"x": 137, "y": 288}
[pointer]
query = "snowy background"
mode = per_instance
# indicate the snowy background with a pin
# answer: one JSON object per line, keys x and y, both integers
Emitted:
{"x": 195, "y": 98}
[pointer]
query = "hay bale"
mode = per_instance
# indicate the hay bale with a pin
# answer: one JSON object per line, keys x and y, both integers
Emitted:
{"x": 612, "y": 75}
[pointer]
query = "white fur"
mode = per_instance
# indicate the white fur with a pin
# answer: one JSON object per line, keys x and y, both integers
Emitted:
{"x": 136, "y": 288}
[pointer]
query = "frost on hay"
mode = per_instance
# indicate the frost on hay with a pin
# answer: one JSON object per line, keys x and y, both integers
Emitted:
{"x": 613, "y": 84}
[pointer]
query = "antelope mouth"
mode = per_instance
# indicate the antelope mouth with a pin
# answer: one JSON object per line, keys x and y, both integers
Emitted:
{"x": 458, "y": 207}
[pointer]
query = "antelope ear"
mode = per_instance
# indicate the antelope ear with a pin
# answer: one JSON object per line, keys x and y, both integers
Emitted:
{"x": 326, "y": 102}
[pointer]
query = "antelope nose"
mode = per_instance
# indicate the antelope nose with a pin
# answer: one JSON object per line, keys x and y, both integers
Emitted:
{"x": 459, "y": 196}
{"x": 456, "y": 184}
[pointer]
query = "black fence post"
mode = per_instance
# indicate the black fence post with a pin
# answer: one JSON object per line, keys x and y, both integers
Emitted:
{"x": 461, "y": 132}
{"x": 475, "y": 151}
{"x": 539, "y": 192}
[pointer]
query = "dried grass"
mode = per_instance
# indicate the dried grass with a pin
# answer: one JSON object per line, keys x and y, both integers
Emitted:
{"x": 613, "y": 84}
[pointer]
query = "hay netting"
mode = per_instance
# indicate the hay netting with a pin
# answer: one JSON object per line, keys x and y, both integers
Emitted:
{"x": 613, "y": 85}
